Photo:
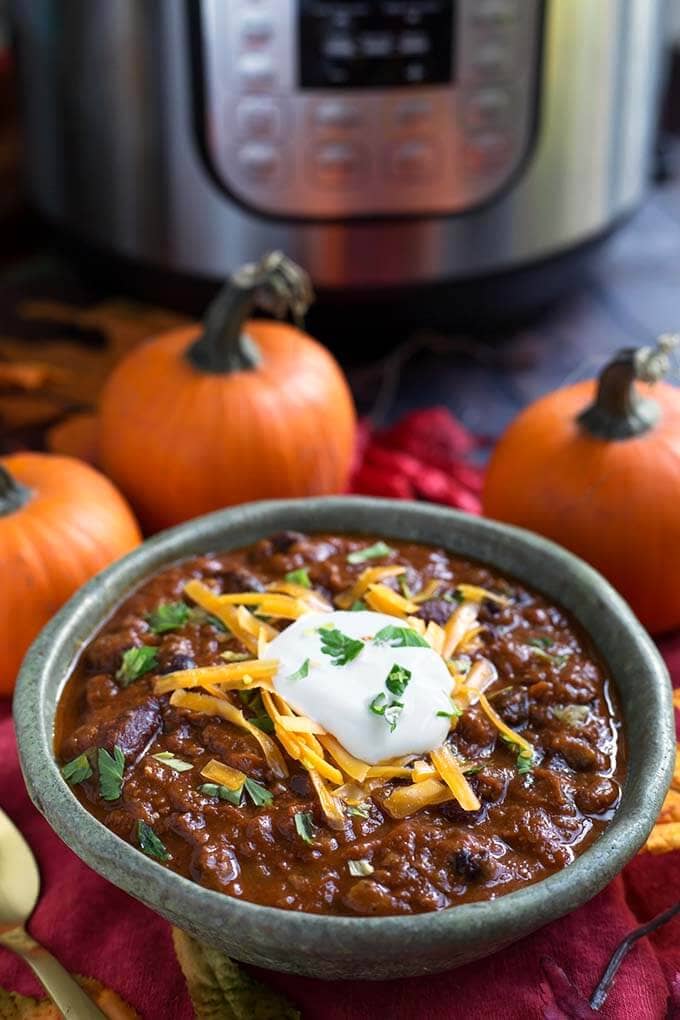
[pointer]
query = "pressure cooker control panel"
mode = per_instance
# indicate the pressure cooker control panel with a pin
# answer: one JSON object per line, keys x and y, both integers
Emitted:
{"x": 341, "y": 108}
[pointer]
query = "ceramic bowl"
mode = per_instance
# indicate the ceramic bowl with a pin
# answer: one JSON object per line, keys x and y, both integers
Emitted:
{"x": 359, "y": 947}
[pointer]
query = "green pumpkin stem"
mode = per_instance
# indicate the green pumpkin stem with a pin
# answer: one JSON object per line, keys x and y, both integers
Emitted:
{"x": 276, "y": 285}
{"x": 13, "y": 495}
{"x": 619, "y": 410}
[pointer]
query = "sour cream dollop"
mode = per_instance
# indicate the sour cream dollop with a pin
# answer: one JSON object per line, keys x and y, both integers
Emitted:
{"x": 339, "y": 697}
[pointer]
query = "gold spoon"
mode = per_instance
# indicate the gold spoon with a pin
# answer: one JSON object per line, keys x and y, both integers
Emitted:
{"x": 19, "y": 887}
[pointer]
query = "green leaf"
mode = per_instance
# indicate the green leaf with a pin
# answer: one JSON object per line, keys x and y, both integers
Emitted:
{"x": 258, "y": 794}
{"x": 300, "y": 577}
{"x": 150, "y": 843}
{"x": 221, "y": 990}
{"x": 404, "y": 588}
{"x": 168, "y": 758}
{"x": 390, "y": 710}
{"x": 168, "y": 616}
{"x": 304, "y": 826}
{"x": 357, "y": 606}
{"x": 263, "y": 722}
{"x": 360, "y": 869}
{"x": 359, "y": 810}
{"x": 525, "y": 759}
{"x": 338, "y": 646}
{"x": 372, "y": 552}
{"x": 77, "y": 770}
{"x": 400, "y": 637}
{"x": 302, "y": 672}
{"x": 111, "y": 769}
{"x": 454, "y": 596}
{"x": 222, "y": 792}
{"x": 398, "y": 679}
{"x": 136, "y": 662}
{"x": 541, "y": 642}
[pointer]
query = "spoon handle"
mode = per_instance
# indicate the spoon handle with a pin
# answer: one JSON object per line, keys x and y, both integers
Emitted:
{"x": 63, "y": 989}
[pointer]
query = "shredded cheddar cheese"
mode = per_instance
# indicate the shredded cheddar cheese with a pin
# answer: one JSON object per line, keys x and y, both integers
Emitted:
{"x": 407, "y": 800}
{"x": 511, "y": 735}
{"x": 457, "y": 626}
{"x": 236, "y": 676}
{"x": 382, "y": 599}
{"x": 473, "y": 593}
{"x": 355, "y": 769}
{"x": 371, "y": 575}
{"x": 428, "y": 592}
{"x": 450, "y": 771}
{"x": 216, "y": 772}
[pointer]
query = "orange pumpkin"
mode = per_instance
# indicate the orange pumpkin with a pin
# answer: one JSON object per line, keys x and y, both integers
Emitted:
{"x": 60, "y": 523}
{"x": 237, "y": 410}
{"x": 596, "y": 467}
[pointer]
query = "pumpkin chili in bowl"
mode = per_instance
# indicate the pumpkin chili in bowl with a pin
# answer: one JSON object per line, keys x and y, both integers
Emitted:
{"x": 344, "y": 725}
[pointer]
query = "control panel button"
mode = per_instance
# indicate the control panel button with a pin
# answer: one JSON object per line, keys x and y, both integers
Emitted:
{"x": 413, "y": 160}
{"x": 256, "y": 72}
{"x": 336, "y": 113}
{"x": 258, "y": 159}
{"x": 490, "y": 61}
{"x": 256, "y": 28}
{"x": 412, "y": 112}
{"x": 489, "y": 108}
{"x": 495, "y": 13}
{"x": 337, "y": 163}
{"x": 488, "y": 152}
{"x": 258, "y": 117}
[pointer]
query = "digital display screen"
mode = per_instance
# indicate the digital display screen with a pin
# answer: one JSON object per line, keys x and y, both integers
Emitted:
{"x": 375, "y": 43}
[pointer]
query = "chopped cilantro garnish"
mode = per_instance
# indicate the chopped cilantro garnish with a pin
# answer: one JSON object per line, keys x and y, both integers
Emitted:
{"x": 77, "y": 770}
{"x": 472, "y": 770}
{"x": 357, "y": 606}
{"x": 400, "y": 637}
{"x": 525, "y": 759}
{"x": 168, "y": 758}
{"x": 359, "y": 810}
{"x": 360, "y": 869}
{"x": 111, "y": 769}
{"x": 454, "y": 596}
{"x": 168, "y": 616}
{"x": 258, "y": 794}
{"x": 541, "y": 642}
{"x": 223, "y": 792}
{"x": 302, "y": 672}
{"x": 404, "y": 588}
{"x": 454, "y": 711}
{"x": 263, "y": 722}
{"x": 371, "y": 552}
{"x": 338, "y": 646}
{"x": 150, "y": 843}
{"x": 304, "y": 826}
{"x": 390, "y": 710}
{"x": 300, "y": 577}
{"x": 136, "y": 662}
{"x": 397, "y": 679}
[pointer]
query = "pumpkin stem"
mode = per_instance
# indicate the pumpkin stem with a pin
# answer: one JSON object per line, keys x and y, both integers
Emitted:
{"x": 13, "y": 495}
{"x": 275, "y": 284}
{"x": 619, "y": 410}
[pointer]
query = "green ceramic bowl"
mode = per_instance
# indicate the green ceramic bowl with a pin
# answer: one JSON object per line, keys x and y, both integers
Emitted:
{"x": 349, "y": 947}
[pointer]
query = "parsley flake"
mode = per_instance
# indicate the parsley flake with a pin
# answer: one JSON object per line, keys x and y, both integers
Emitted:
{"x": 77, "y": 770}
{"x": 360, "y": 869}
{"x": 111, "y": 769}
{"x": 454, "y": 711}
{"x": 390, "y": 710}
{"x": 168, "y": 616}
{"x": 525, "y": 759}
{"x": 300, "y": 577}
{"x": 400, "y": 637}
{"x": 222, "y": 792}
{"x": 338, "y": 646}
{"x": 136, "y": 662}
{"x": 359, "y": 810}
{"x": 150, "y": 843}
{"x": 168, "y": 758}
{"x": 371, "y": 552}
{"x": 258, "y": 794}
{"x": 263, "y": 722}
{"x": 199, "y": 616}
{"x": 404, "y": 587}
{"x": 541, "y": 642}
{"x": 304, "y": 826}
{"x": 398, "y": 679}
{"x": 357, "y": 606}
{"x": 302, "y": 672}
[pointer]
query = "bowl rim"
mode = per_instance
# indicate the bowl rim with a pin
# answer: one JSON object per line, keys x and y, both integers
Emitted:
{"x": 128, "y": 868}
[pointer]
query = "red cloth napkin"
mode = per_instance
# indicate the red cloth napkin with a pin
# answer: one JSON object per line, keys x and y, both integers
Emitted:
{"x": 99, "y": 931}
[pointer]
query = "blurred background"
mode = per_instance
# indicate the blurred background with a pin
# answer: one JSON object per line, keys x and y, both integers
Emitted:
{"x": 486, "y": 193}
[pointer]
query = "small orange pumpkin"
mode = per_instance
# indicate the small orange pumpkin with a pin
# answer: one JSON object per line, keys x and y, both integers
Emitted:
{"x": 596, "y": 467}
{"x": 60, "y": 523}
{"x": 238, "y": 410}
